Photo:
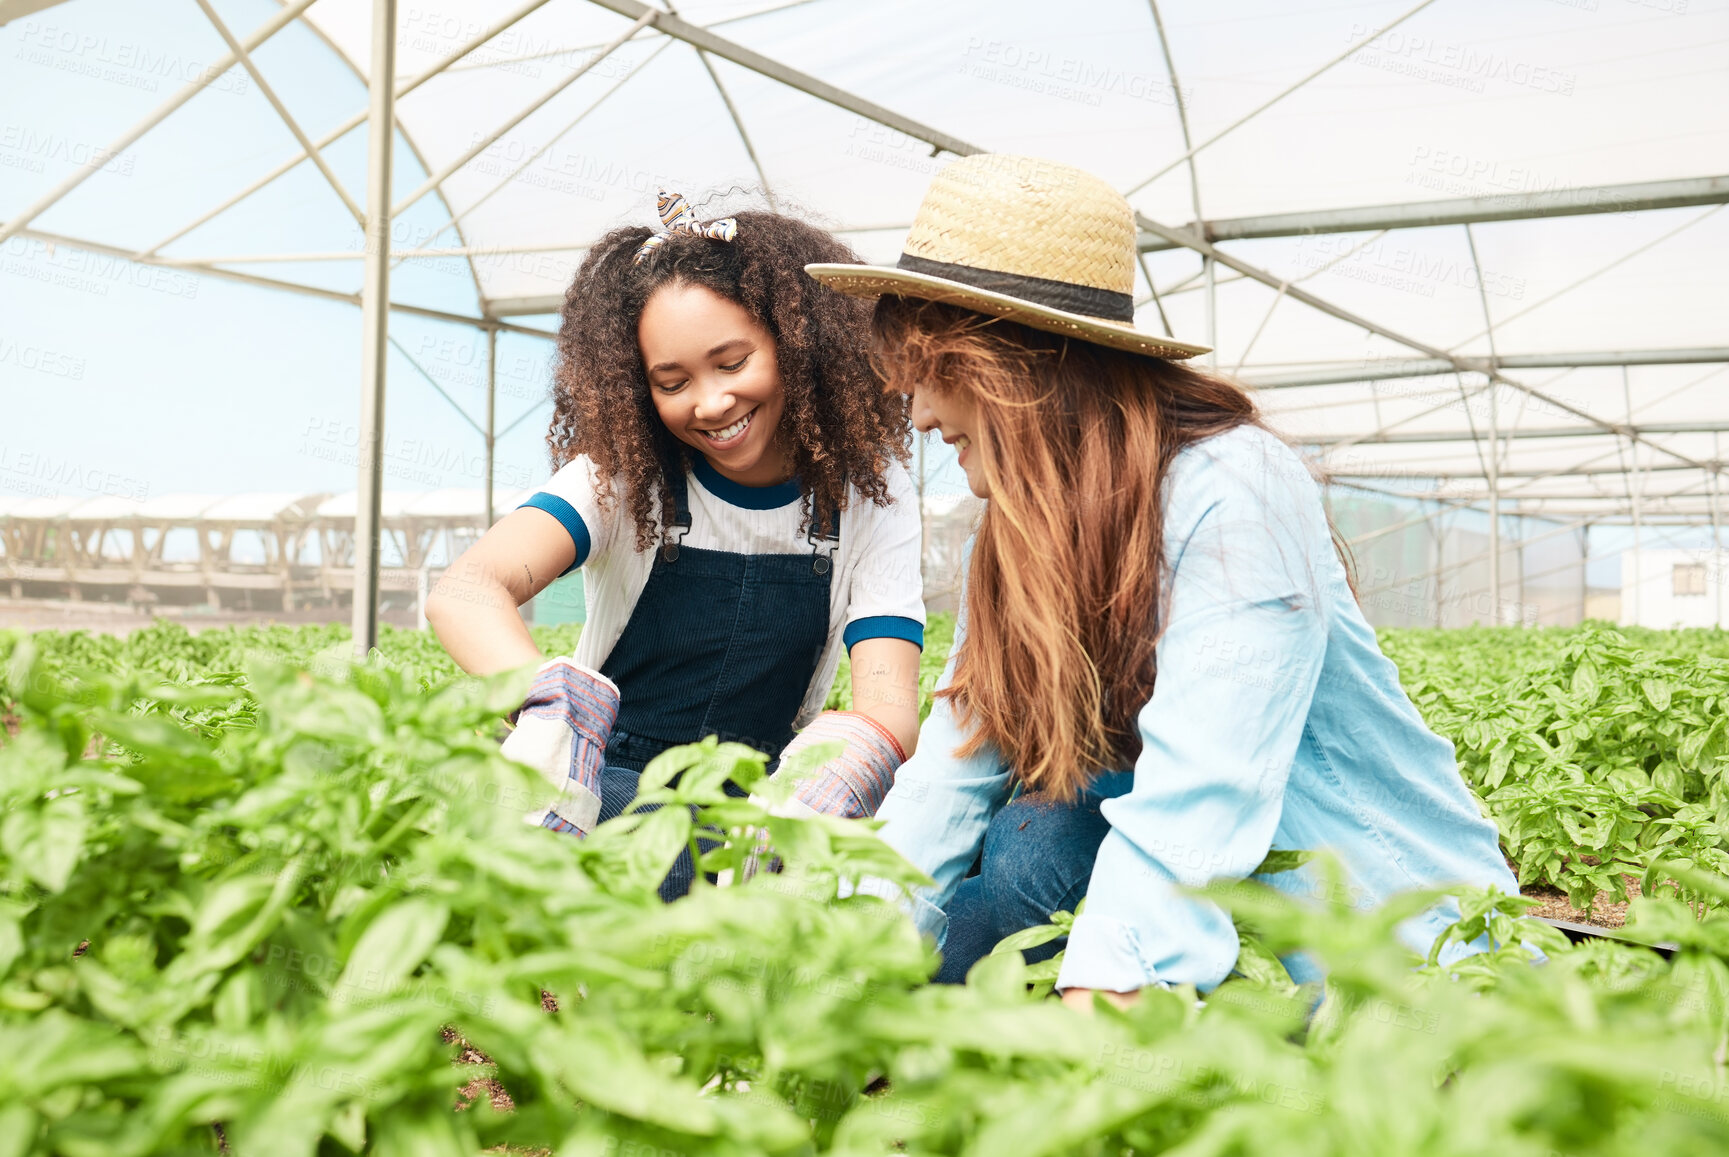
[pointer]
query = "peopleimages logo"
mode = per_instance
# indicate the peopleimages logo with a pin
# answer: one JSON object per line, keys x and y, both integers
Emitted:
{"x": 1068, "y": 78}
{"x": 1452, "y": 64}
{"x": 43, "y": 475}
{"x": 121, "y": 61}
{"x": 86, "y": 272}
{"x": 40, "y": 359}
{"x": 1403, "y": 266}
{"x": 418, "y": 460}
{"x": 24, "y": 148}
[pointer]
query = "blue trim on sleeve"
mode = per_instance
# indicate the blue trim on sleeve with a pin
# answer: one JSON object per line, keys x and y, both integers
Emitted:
{"x": 884, "y": 627}
{"x": 569, "y": 518}
{"x": 738, "y": 494}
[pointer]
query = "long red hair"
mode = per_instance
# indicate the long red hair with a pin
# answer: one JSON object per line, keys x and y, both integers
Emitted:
{"x": 1065, "y": 592}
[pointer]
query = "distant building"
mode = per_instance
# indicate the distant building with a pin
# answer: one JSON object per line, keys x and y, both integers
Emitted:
{"x": 1672, "y": 588}
{"x": 274, "y": 554}
{"x": 290, "y": 556}
{"x": 949, "y": 521}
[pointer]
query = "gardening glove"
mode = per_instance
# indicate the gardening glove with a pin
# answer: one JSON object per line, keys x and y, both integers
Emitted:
{"x": 561, "y": 732}
{"x": 853, "y": 783}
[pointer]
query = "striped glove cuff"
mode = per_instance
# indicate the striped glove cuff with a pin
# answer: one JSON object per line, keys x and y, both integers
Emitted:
{"x": 562, "y": 732}
{"x": 853, "y": 783}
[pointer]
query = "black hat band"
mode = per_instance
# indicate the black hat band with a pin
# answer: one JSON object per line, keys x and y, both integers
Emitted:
{"x": 1063, "y": 295}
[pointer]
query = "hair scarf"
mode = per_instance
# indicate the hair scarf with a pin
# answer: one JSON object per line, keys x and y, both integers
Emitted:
{"x": 676, "y": 216}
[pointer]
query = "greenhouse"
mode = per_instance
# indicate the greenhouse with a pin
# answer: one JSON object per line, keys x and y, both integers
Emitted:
{"x": 299, "y": 302}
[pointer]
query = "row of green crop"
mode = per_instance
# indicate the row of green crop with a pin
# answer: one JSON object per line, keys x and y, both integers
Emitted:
{"x": 168, "y": 650}
{"x": 1597, "y": 751}
{"x": 247, "y": 909}
{"x": 1600, "y": 753}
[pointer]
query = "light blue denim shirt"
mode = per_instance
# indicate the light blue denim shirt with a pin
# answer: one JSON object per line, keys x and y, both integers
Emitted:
{"x": 1275, "y": 722}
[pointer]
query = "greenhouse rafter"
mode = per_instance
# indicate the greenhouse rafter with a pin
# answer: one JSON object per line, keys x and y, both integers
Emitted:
{"x": 1394, "y": 368}
{"x": 265, "y": 31}
{"x": 529, "y": 134}
{"x": 310, "y": 150}
{"x": 206, "y": 270}
{"x": 1537, "y": 432}
{"x": 1630, "y": 198}
{"x": 403, "y": 88}
{"x": 1207, "y": 249}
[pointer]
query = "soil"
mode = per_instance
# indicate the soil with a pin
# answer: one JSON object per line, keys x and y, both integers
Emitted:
{"x": 494, "y": 1091}
{"x": 1605, "y": 910}
{"x": 489, "y": 1087}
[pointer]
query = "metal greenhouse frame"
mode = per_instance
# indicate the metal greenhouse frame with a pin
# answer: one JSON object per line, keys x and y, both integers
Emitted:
{"x": 1607, "y": 467}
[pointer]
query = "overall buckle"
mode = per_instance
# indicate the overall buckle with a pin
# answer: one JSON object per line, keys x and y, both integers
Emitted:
{"x": 669, "y": 545}
{"x": 821, "y": 562}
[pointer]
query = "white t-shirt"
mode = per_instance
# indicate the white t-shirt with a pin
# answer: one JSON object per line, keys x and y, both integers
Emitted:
{"x": 875, "y": 592}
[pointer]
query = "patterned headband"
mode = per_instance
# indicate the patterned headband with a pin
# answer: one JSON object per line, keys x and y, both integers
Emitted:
{"x": 676, "y": 216}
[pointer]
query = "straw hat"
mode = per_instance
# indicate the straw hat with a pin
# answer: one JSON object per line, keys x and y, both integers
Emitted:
{"x": 1031, "y": 240}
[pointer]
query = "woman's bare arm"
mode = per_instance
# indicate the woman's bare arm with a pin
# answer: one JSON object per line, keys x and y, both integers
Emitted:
{"x": 473, "y": 606}
{"x": 885, "y": 686}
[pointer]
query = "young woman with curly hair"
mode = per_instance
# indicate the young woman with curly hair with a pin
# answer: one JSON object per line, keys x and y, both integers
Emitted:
{"x": 731, "y": 478}
{"x": 1160, "y": 671}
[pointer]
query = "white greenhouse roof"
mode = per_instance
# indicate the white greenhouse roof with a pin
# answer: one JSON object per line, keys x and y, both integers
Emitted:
{"x": 457, "y": 503}
{"x": 107, "y": 508}
{"x": 47, "y": 507}
{"x": 262, "y": 507}
{"x": 1427, "y": 221}
{"x": 177, "y": 507}
{"x": 434, "y": 504}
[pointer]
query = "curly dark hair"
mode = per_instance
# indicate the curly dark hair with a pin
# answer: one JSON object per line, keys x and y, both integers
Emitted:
{"x": 838, "y": 425}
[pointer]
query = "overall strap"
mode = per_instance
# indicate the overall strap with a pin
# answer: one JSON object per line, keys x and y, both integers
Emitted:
{"x": 681, "y": 511}
{"x": 825, "y": 535}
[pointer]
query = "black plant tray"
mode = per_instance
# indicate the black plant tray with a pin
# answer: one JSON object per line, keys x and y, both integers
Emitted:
{"x": 1577, "y": 932}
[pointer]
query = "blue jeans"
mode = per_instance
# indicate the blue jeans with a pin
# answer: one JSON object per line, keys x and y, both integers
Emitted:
{"x": 1038, "y": 857}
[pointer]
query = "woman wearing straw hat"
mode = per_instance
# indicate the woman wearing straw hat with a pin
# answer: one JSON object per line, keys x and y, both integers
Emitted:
{"x": 1160, "y": 672}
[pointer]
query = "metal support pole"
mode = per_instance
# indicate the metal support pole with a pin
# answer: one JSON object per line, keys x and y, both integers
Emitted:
{"x": 491, "y": 416}
{"x": 1493, "y": 465}
{"x": 1494, "y": 471}
{"x": 1637, "y": 497}
{"x": 1717, "y": 567}
{"x": 1519, "y": 558}
{"x": 1638, "y": 544}
{"x": 919, "y": 486}
{"x": 1439, "y": 533}
{"x": 920, "y": 481}
{"x": 375, "y": 324}
{"x": 1584, "y": 572}
{"x": 1212, "y": 313}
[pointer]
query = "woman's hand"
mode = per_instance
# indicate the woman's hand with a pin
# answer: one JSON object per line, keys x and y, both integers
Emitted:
{"x": 1081, "y": 999}
{"x": 562, "y": 732}
{"x": 853, "y": 783}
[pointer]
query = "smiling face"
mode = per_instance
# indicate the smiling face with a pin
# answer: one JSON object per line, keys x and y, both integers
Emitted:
{"x": 955, "y": 415}
{"x": 714, "y": 380}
